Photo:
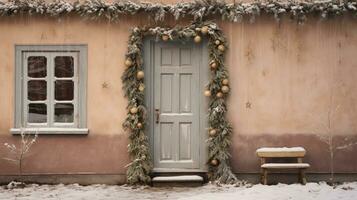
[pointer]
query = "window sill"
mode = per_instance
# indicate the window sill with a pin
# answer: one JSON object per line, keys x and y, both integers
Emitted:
{"x": 51, "y": 131}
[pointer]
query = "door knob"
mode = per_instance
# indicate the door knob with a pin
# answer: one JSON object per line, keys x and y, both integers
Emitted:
{"x": 157, "y": 112}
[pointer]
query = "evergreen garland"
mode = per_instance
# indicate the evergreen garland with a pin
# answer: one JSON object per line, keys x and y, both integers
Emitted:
{"x": 199, "y": 9}
{"x": 217, "y": 90}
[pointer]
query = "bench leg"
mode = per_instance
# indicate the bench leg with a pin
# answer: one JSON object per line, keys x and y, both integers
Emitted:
{"x": 265, "y": 177}
{"x": 302, "y": 176}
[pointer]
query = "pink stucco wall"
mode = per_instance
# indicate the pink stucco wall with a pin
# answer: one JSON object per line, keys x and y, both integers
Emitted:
{"x": 285, "y": 78}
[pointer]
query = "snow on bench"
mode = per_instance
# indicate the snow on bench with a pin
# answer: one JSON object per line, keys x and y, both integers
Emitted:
{"x": 285, "y": 165}
{"x": 282, "y": 152}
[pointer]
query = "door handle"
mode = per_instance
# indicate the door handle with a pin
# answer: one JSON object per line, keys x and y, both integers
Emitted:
{"x": 157, "y": 112}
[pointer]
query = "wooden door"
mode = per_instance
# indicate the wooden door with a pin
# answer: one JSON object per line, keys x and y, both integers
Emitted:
{"x": 176, "y": 124}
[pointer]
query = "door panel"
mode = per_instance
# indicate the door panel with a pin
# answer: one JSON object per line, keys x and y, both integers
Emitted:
{"x": 176, "y": 89}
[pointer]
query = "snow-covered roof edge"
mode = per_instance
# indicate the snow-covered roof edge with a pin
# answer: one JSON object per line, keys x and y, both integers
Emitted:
{"x": 199, "y": 10}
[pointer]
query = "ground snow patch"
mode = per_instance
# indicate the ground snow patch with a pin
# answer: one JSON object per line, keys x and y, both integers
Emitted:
{"x": 311, "y": 191}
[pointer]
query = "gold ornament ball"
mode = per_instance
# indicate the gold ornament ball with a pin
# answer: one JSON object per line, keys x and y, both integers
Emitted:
{"x": 212, "y": 132}
{"x": 217, "y": 42}
{"x": 197, "y": 39}
{"x": 225, "y": 89}
{"x": 128, "y": 62}
{"x": 204, "y": 30}
{"x": 219, "y": 94}
{"x": 133, "y": 110}
{"x": 213, "y": 65}
{"x": 141, "y": 87}
{"x": 139, "y": 125}
{"x": 207, "y": 93}
{"x": 225, "y": 81}
{"x": 140, "y": 75}
{"x": 214, "y": 162}
{"x": 221, "y": 47}
{"x": 165, "y": 37}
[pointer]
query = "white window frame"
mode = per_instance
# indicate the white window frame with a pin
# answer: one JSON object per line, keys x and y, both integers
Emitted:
{"x": 79, "y": 53}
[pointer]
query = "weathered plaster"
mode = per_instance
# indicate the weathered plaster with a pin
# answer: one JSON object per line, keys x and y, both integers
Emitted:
{"x": 282, "y": 78}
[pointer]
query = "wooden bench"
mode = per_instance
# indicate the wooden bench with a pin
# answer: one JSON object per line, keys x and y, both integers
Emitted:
{"x": 283, "y": 152}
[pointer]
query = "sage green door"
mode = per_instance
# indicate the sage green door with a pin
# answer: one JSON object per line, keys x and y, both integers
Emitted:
{"x": 176, "y": 124}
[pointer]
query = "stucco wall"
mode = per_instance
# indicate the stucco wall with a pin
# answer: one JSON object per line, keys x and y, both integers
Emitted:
{"x": 285, "y": 78}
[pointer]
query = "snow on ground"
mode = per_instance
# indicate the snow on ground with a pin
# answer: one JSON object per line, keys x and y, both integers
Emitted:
{"x": 311, "y": 191}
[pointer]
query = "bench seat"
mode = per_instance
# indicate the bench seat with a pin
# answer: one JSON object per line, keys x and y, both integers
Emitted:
{"x": 285, "y": 165}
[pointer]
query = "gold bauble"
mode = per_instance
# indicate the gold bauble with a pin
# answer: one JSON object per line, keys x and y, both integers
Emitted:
{"x": 204, "y": 29}
{"x": 217, "y": 42}
{"x": 221, "y": 47}
{"x": 213, "y": 65}
{"x": 139, "y": 125}
{"x": 225, "y": 89}
{"x": 197, "y": 39}
{"x": 128, "y": 62}
{"x": 207, "y": 93}
{"x": 165, "y": 37}
{"x": 219, "y": 94}
{"x": 140, "y": 75}
{"x": 141, "y": 87}
{"x": 225, "y": 81}
{"x": 212, "y": 132}
{"x": 214, "y": 162}
{"x": 133, "y": 110}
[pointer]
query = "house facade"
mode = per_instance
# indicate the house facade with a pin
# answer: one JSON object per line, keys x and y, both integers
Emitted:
{"x": 290, "y": 84}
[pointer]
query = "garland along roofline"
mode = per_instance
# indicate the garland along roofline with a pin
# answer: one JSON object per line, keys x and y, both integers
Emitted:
{"x": 218, "y": 128}
{"x": 95, "y": 9}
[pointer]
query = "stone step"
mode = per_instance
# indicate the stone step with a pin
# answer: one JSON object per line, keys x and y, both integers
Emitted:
{"x": 177, "y": 181}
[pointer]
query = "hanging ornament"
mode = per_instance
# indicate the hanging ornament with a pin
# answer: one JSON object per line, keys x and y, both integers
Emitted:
{"x": 212, "y": 132}
{"x": 213, "y": 64}
{"x": 207, "y": 93}
{"x": 141, "y": 87}
{"x": 139, "y": 125}
{"x": 140, "y": 75}
{"x": 133, "y": 110}
{"x": 165, "y": 37}
{"x": 225, "y": 81}
{"x": 128, "y": 62}
{"x": 217, "y": 42}
{"x": 204, "y": 30}
{"x": 197, "y": 39}
{"x": 132, "y": 117}
{"x": 219, "y": 94}
{"x": 221, "y": 47}
{"x": 225, "y": 89}
{"x": 214, "y": 162}
{"x": 197, "y": 29}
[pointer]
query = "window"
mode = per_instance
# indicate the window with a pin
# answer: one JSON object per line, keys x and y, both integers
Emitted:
{"x": 51, "y": 89}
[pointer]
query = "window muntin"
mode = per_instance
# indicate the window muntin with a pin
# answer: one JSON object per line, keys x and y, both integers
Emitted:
{"x": 50, "y": 85}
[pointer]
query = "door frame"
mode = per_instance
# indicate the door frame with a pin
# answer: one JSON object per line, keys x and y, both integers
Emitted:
{"x": 204, "y": 74}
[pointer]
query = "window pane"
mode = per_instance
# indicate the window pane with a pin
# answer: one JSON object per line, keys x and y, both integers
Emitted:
{"x": 64, "y": 90}
{"x": 36, "y": 90}
{"x": 37, "y": 113}
{"x": 36, "y": 66}
{"x": 64, "y": 112}
{"x": 64, "y": 66}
